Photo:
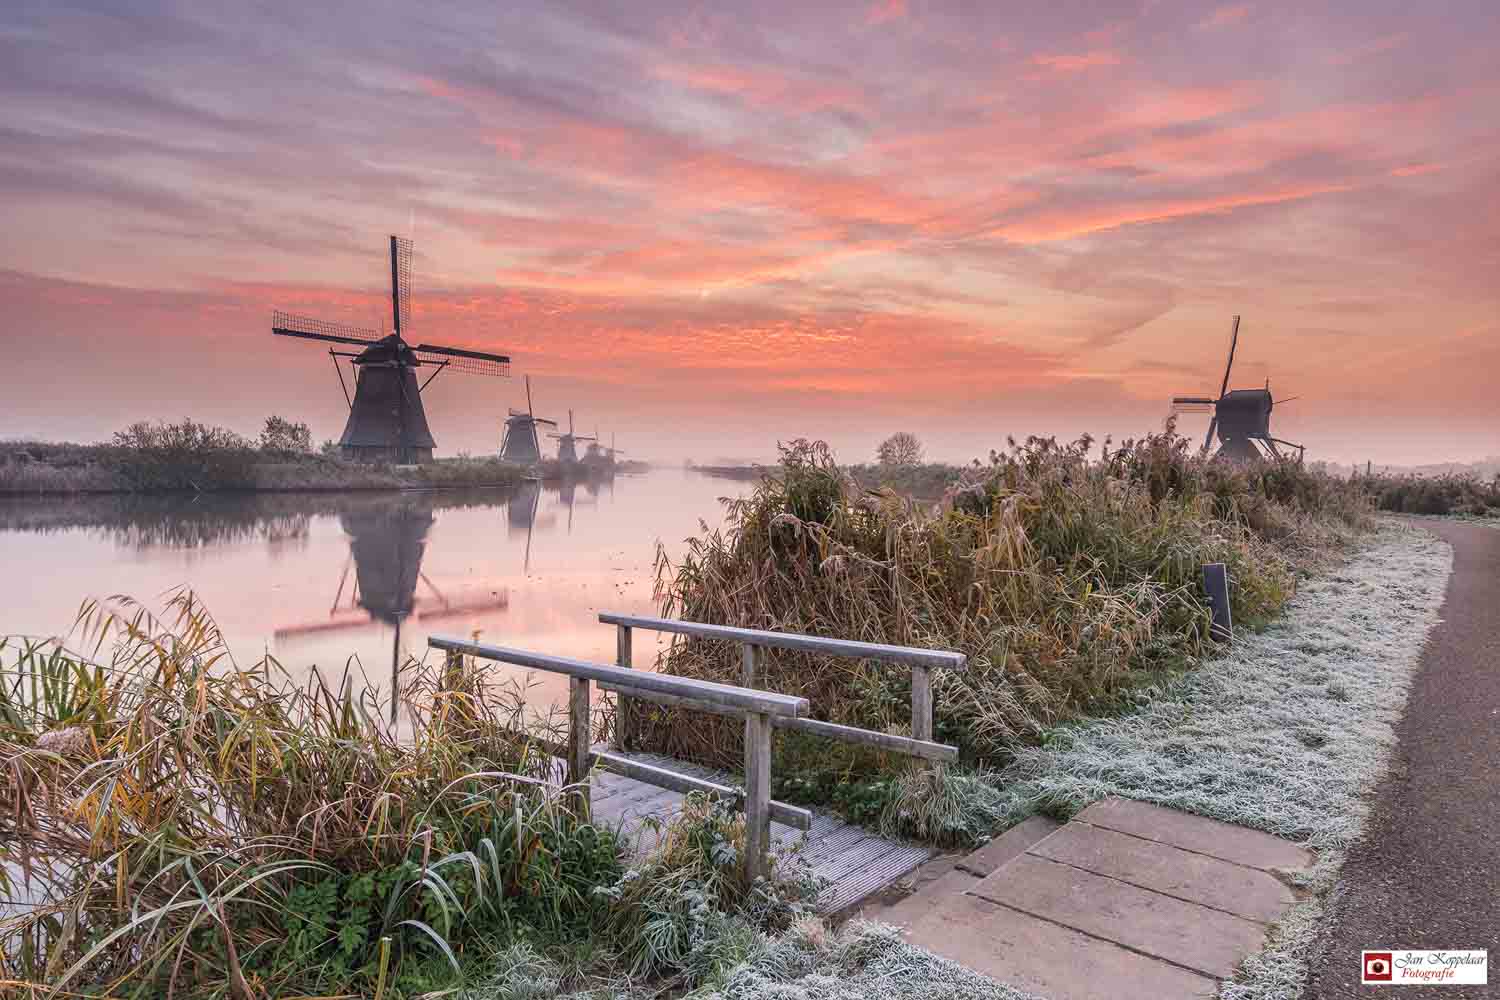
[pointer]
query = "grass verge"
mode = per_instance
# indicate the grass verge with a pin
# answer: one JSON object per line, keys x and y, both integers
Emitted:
{"x": 1287, "y": 733}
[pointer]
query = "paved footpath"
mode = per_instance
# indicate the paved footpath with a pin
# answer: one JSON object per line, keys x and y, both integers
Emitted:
{"x": 1426, "y": 872}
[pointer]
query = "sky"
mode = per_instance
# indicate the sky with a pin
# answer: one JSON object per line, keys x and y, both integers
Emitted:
{"x": 709, "y": 227}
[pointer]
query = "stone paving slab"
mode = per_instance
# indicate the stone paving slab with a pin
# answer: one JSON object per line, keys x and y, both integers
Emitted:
{"x": 1010, "y": 844}
{"x": 1197, "y": 878}
{"x": 1186, "y": 934}
{"x": 1048, "y": 959}
{"x": 907, "y": 912}
{"x": 1128, "y": 900}
{"x": 1225, "y": 841}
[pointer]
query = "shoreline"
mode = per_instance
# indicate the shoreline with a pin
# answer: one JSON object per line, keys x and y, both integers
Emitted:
{"x": 372, "y": 480}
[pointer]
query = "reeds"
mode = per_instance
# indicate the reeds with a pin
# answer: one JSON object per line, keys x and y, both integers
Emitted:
{"x": 1064, "y": 578}
{"x": 182, "y": 826}
{"x": 1445, "y": 494}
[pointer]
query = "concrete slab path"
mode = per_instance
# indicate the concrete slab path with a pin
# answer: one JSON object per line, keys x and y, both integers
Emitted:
{"x": 1128, "y": 901}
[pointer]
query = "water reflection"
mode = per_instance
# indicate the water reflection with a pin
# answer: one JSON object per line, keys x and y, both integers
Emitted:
{"x": 327, "y": 579}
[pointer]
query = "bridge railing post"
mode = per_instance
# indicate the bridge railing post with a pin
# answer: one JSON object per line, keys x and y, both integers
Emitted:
{"x": 921, "y": 703}
{"x": 579, "y": 740}
{"x": 749, "y": 664}
{"x": 625, "y": 722}
{"x": 757, "y": 795}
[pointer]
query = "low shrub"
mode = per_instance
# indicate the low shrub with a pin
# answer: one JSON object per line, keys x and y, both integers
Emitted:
{"x": 1446, "y": 494}
{"x": 184, "y": 456}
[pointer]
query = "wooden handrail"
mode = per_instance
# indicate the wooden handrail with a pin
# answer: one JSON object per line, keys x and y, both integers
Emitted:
{"x": 921, "y": 661}
{"x": 759, "y": 708}
{"x": 707, "y": 692}
{"x": 909, "y": 655}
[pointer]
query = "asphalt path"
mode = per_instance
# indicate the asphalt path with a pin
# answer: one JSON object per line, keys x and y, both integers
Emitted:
{"x": 1426, "y": 872}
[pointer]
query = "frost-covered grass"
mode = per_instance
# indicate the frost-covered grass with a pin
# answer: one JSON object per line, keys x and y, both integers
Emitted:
{"x": 1286, "y": 733}
{"x": 861, "y": 961}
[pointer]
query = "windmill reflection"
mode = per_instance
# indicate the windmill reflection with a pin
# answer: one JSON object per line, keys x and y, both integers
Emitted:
{"x": 386, "y": 545}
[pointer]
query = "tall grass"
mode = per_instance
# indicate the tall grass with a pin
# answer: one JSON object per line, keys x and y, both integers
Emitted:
{"x": 183, "y": 826}
{"x": 175, "y": 825}
{"x": 1445, "y": 494}
{"x": 1065, "y": 579}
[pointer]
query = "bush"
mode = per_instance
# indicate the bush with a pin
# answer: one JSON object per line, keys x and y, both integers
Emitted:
{"x": 185, "y": 456}
{"x": 283, "y": 437}
{"x": 1447, "y": 494}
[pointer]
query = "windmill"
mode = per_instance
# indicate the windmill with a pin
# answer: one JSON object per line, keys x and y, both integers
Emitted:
{"x": 520, "y": 443}
{"x": 567, "y": 453}
{"x": 598, "y": 455}
{"x": 1242, "y": 417}
{"x": 387, "y": 422}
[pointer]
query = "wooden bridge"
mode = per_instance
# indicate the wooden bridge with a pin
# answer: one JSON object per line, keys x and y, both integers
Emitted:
{"x": 631, "y": 789}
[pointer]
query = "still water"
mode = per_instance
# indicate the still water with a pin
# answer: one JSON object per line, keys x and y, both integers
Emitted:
{"x": 315, "y": 579}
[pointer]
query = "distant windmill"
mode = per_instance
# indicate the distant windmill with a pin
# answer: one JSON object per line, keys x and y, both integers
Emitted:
{"x": 387, "y": 422}
{"x": 1241, "y": 417}
{"x": 520, "y": 443}
{"x": 598, "y": 455}
{"x": 567, "y": 453}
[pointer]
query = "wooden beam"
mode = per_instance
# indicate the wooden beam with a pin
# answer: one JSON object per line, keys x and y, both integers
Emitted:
{"x": 909, "y": 655}
{"x": 787, "y": 815}
{"x": 849, "y": 734}
{"x": 624, "y": 711}
{"x": 579, "y": 738}
{"x": 757, "y": 795}
{"x": 705, "y": 692}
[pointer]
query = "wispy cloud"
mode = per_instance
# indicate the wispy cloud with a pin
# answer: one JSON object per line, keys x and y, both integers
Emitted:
{"x": 1223, "y": 17}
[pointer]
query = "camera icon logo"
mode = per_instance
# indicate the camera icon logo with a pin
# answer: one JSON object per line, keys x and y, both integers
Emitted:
{"x": 1377, "y": 967}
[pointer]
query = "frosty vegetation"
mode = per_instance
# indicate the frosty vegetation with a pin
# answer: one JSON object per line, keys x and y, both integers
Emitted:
{"x": 1287, "y": 733}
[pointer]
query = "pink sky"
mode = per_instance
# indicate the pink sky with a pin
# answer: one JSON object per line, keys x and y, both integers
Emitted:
{"x": 707, "y": 229}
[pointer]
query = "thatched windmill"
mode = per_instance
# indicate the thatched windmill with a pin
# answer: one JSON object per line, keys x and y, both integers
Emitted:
{"x": 520, "y": 443}
{"x": 1242, "y": 417}
{"x": 567, "y": 451}
{"x": 387, "y": 422}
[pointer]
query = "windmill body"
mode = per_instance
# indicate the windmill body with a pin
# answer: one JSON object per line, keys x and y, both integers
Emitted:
{"x": 387, "y": 421}
{"x": 1241, "y": 417}
{"x": 521, "y": 443}
{"x": 567, "y": 444}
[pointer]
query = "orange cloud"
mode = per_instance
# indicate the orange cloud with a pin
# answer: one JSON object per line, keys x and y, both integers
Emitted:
{"x": 1066, "y": 223}
{"x": 884, "y": 11}
{"x": 762, "y": 87}
{"x": 1225, "y": 16}
{"x": 1076, "y": 62}
{"x": 1417, "y": 169}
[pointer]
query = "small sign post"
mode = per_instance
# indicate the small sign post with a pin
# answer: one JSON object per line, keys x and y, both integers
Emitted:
{"x": 1216, "y": 585}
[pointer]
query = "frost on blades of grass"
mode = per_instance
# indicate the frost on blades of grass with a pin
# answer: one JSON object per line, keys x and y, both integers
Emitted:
{"x": 1286, "y": 733}
{"x": 861, "y": 961}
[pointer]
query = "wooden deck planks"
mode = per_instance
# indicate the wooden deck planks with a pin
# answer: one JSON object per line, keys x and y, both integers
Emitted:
{"x": 854, "y": 861}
